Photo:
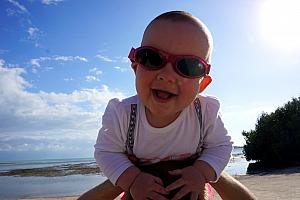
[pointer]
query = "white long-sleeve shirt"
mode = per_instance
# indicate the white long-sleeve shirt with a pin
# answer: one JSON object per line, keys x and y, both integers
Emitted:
{"x": 177, "y": 140}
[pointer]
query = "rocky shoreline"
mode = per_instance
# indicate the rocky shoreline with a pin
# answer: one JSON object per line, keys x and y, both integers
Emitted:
{"x": 59, "y": 170}
{"x": 92, "y": 168}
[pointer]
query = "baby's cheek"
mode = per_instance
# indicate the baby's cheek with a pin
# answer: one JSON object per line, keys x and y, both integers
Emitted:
{"x": 192, "y": 88}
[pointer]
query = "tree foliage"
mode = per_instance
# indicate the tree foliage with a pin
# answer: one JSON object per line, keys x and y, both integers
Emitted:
{"x": 276, "y": 138}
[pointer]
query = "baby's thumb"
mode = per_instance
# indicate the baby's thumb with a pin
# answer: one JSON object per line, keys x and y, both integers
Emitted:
{"x": 158, "y": 180}
{"x": 175, "y": 172}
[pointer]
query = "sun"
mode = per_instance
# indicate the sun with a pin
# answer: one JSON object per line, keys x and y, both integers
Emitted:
{"x": 280, "y": 23}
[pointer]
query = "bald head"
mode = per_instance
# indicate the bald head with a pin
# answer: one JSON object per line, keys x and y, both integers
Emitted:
{"x": 182, "y": 17}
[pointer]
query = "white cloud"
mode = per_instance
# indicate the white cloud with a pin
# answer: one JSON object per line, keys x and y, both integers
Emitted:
{"x": 34, "y": 35}
{"x": 68, "y": 79}
{"x": 37, "y": 62}
{"x": 21, "y": 9}
{"x": 34, "y": 142}
{"x": 119, "y": 59}
{"x": 104, "y": 58}
{"x": 33, "y": 32}
{"x": 123, "y": 59}
{"x": 122, "y": 69}
{"x": 51, "y": 2}
{"x": 2, "y": 62}
{"x": 52, "y": 117}
{"x": 98, "y": 72}
{"x": 11, "y": 77}
{"x": 69, "y": 58}
{"x": 91, "y": 78}
{"x": 34, "y": 70}
{"x": 80, "y": 58}
{"x": 95, "y": 71}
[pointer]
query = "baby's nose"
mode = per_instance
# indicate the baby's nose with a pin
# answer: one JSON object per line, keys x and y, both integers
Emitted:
{"x": 167, "y": 73}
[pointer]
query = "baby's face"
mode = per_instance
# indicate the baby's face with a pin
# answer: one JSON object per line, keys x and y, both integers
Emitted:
{"x": 164, "y": 92}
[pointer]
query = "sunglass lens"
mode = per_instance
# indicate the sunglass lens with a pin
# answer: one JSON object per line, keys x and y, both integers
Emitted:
{"x": 149, "y": 58}
{"x": 191, "y": 67}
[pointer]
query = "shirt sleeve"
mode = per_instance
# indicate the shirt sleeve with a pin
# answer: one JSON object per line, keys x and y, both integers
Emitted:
{"x": 110, "y": 144}
{"x": 217, "y": 144}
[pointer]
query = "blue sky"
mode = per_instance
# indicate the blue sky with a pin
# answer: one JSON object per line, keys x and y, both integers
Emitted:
{"x": 62, "y": 60}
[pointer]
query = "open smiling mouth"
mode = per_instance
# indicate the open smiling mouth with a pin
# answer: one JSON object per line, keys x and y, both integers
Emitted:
{"x": 164, "y": 95}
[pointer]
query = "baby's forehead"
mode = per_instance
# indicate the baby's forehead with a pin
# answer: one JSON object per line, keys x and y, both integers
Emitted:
{"x": 178, "y": 37}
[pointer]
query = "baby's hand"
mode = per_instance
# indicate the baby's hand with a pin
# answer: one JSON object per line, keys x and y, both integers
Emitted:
{"x": 147, "y": 186}
{"x": 191, "y": 180}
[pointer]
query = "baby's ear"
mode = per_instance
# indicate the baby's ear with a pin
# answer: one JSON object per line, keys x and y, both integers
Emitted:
{"x": 134, "y": 66}
{"x": 204, "y": 83}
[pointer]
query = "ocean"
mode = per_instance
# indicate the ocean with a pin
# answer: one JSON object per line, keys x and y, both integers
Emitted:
{"x": 15, "y": 187}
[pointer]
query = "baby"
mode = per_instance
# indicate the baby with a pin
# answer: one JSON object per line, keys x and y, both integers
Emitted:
{"x": 169, "y": 140}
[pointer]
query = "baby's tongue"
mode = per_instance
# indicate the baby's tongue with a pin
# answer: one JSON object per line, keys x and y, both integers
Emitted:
{"x": 162, "y": 94}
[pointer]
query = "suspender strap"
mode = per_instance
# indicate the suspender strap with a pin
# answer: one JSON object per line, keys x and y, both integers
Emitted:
{"x": 130, "y": 131}
{"x": 197, "y": 106}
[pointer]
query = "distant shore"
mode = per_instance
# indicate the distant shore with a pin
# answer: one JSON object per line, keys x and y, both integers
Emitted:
{"x": 271, "y": 185}
{"x": 53, "y": 171}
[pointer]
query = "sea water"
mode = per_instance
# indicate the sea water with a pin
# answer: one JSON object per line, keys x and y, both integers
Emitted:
{"x": 15, "y": 187}
{"x": 20, "y": 187}
{"x": 238, "y": 164}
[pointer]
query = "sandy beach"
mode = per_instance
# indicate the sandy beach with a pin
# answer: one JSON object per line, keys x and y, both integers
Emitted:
{"x": 279, "y": 184}
{"x": 272, "y": 186}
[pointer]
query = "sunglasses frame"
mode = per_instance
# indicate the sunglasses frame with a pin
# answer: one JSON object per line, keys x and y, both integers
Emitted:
{"x": 167, "y": 57}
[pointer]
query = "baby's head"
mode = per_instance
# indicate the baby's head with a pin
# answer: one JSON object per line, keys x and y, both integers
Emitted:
{"x": 171, "y": 66}
{"x": 205, "y": 41}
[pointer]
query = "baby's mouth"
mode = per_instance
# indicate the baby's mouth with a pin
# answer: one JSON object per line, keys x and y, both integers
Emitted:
{"x": 165, "y": 95}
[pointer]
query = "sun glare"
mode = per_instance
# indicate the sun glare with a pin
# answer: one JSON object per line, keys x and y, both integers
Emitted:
{"x": 280, "y": 23}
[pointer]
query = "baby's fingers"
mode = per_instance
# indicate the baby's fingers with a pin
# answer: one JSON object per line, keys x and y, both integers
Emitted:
{"x": 158, "y": 180}
{"x": 159, "y": 189}
{"x": 178, "y": 183}
{"x": 176, "y": 172}
{"x": 182, "y": 192}
{"x": 194, "y": 196}
{"x": 156, "y": 196}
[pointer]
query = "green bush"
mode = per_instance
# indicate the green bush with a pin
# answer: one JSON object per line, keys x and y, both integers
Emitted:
{"x": 276, "y": 138}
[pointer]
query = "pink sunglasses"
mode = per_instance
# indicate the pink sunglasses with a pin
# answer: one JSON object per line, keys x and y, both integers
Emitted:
{"x": 151, "y": 58}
